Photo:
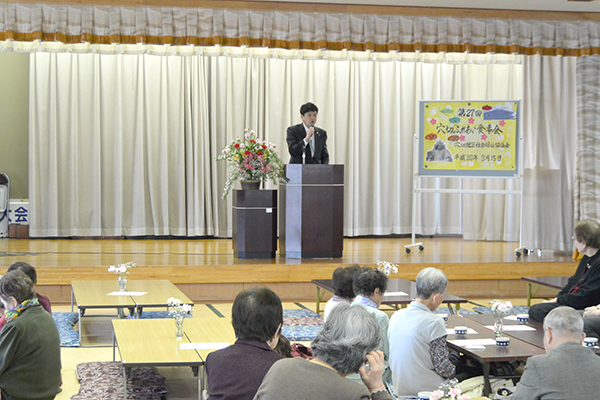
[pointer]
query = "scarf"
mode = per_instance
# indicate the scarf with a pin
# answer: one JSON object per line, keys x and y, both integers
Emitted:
{"x": 365, "y": 301}
{"x": 18, "y": 310}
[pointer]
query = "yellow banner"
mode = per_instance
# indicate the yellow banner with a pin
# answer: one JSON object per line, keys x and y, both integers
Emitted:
{"x": 469, "y": 136}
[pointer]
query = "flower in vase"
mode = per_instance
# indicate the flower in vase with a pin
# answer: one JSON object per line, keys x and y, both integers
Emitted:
{"x": 251, "y": 159}
{"x": 121, "y": 269}
{"x": 387, "y": 267}
{"x": 449, "y": 390}
{"x": 177, "y": 308}
{"x": 501, "y": 307}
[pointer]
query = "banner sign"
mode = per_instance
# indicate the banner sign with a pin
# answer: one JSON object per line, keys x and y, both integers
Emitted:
{"x": 469, "y": 138}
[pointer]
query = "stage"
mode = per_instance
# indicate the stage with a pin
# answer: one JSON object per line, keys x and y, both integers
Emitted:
{"x": 206, "y": 269}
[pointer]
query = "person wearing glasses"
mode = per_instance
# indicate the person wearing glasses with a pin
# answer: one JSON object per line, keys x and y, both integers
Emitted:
{"x": 582, "y": 289}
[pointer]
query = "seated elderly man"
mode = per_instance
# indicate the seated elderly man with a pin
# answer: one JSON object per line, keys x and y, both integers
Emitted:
{"x": 29, "y": 343}
{"x": 237, "y": 371}
{"x": 567, "y": 370}
{"x": 419, "y": 356}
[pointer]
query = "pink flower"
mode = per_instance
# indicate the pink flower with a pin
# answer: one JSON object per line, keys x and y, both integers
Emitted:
{"x": 462, "y": 138}
{"x": 483, "y": 136}
{"x": 433, "y": 122}
{"x": 455, "y": 392}
{"x": 471, "y": 120}
{"x": 502, "y": 123}
{"x": 463, "y": 397}
{"x": 437, "y": 395}
{"x": 268, "y": 168}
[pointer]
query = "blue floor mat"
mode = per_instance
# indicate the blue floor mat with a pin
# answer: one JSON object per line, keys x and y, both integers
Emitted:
{"x": 65, "y": 321}
{"x": 515, "y": 310}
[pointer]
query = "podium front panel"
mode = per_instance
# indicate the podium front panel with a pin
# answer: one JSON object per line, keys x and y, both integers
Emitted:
{"x": 312, "y": 211}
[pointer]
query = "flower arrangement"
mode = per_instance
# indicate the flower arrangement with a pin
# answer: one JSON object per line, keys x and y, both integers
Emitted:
{"x": 450, "y": 390}
{"x": 387, "y": 267}
{"x": 121, "y": 269}
{"x": 500, "y": 307}
{"x": 251, "y": 159}
{"x": 177, "y": 308}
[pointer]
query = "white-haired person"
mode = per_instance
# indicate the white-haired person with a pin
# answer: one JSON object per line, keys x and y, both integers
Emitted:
{"x": 347, "y": 343}
{"x": 568, "y": 370}
{"x": 419, "y": 356}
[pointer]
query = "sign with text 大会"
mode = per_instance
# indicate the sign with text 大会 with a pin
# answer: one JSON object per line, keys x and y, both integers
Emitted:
{"x": 469, "y": 138}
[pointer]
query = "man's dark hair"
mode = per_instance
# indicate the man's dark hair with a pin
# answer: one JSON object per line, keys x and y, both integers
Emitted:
{"x": 18, "y": 285}
{"x": 28, "y": 269}
{"x": 367, "y": 281}
{"x": 308, "y": 107}
{"x": 342, "y": 281}
{"x": 256, "y": 314}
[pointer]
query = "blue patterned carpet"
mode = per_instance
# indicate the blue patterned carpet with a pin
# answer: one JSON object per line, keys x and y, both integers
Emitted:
{"x": 301, "y": 325}
{"x": 515, "y": 310}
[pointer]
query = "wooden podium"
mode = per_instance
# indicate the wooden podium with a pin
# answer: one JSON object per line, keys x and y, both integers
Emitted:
{"x": 254, "y": 223}
{"x": 311, "y": 218}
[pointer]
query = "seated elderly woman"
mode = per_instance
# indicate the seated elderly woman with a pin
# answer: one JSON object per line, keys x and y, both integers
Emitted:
{"x": 236, "y": 372}
{"x": 343, "y": 291}
{"x": 370, "y": 286}
{"x": 582, "y": 289}
{"x": 29, "y": 343}
{"x": 347, "y": 342}
{"x": 30, "y": 272}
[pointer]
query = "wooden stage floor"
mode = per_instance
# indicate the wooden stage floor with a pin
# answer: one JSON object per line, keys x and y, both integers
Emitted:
{"x": 69, "y": 255}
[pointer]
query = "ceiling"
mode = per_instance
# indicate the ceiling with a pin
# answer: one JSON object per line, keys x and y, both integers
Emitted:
{"x": 538, "y": 5}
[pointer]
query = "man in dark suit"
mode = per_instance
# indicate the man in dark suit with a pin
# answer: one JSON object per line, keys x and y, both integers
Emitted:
{"x": 568, "y": 370}
{"x": 305, "y": 141}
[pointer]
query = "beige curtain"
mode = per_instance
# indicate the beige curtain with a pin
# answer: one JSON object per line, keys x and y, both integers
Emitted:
{"x": 126, "y": 144}
{"x": 587, "y": 175}
{"x": 106, "y": 153}
{"x": 550, "y": 132}
{"x": 76, "y": 27}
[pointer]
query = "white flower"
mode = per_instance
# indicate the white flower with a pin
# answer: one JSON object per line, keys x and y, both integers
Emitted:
{"x": 121, "y": 269}
{"x": 186, "y": 308}
{"x": 387, "y": 267}
{"x": 501, "y": 306}
{"x": 247, "y": 135}
{"x": 173, "y": 301}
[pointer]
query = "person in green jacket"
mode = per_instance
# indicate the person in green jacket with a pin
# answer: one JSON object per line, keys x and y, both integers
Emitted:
{"x": 29, "y": 343}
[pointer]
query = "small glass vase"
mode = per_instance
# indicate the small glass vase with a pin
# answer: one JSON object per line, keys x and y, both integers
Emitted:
{"x": 498, "y": 325}
{"x": 122, "y": 283}
{"x": 179, "y": 326}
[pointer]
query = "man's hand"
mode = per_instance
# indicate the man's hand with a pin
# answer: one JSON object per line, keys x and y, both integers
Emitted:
{"x": 550, "y": 301}
{"x": 372, "y": 377}
{"x": 309, "y": 133}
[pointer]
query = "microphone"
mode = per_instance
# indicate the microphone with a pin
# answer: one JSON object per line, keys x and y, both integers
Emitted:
{"x": 315, "y": 128}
